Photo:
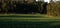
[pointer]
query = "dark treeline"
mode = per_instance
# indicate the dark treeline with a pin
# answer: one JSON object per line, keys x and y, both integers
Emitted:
{"x": 42, "y": 7}
{"x": 23, "y": 8}
{"x": 26, "y": 8}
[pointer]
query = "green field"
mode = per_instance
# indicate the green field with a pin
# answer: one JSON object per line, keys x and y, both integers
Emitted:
{"x": 28, "y": 21}
{"x": 28, "y": 17}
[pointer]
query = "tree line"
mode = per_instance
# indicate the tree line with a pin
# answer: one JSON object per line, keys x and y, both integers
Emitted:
{"x": 53, "y": 9}
{"x": 23, "y": 8}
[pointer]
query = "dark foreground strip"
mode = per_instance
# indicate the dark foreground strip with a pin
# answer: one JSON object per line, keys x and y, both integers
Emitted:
{"x": 27, "y": 24}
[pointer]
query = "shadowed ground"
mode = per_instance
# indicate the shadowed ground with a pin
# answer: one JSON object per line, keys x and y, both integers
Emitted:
{"x": 28, "y": 21}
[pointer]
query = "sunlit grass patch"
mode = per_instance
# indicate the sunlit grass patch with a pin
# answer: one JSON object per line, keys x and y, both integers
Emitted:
{"x": 28, "y": 17}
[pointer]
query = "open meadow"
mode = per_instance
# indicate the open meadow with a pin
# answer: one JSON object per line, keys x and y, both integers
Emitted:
{"x": 28, "y": 21}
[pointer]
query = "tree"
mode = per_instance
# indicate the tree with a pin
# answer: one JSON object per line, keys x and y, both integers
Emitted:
{"x": 53, "y": 9}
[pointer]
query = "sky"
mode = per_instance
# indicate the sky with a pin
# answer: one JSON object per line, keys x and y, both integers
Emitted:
{"x": 49, "y": 0}
{"x": 45, "y": 0}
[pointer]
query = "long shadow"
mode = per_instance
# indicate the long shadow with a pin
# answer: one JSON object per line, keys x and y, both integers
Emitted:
{"x": 27, "y": 24}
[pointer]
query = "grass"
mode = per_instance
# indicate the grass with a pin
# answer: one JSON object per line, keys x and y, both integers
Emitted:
{"x": 28, "y": 21}
{"x": 28, "y": 17}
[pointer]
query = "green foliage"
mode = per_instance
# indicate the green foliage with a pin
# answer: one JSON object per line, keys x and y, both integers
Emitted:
{"x": 53, "y": 9}
{"x": 40, "y": 6}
